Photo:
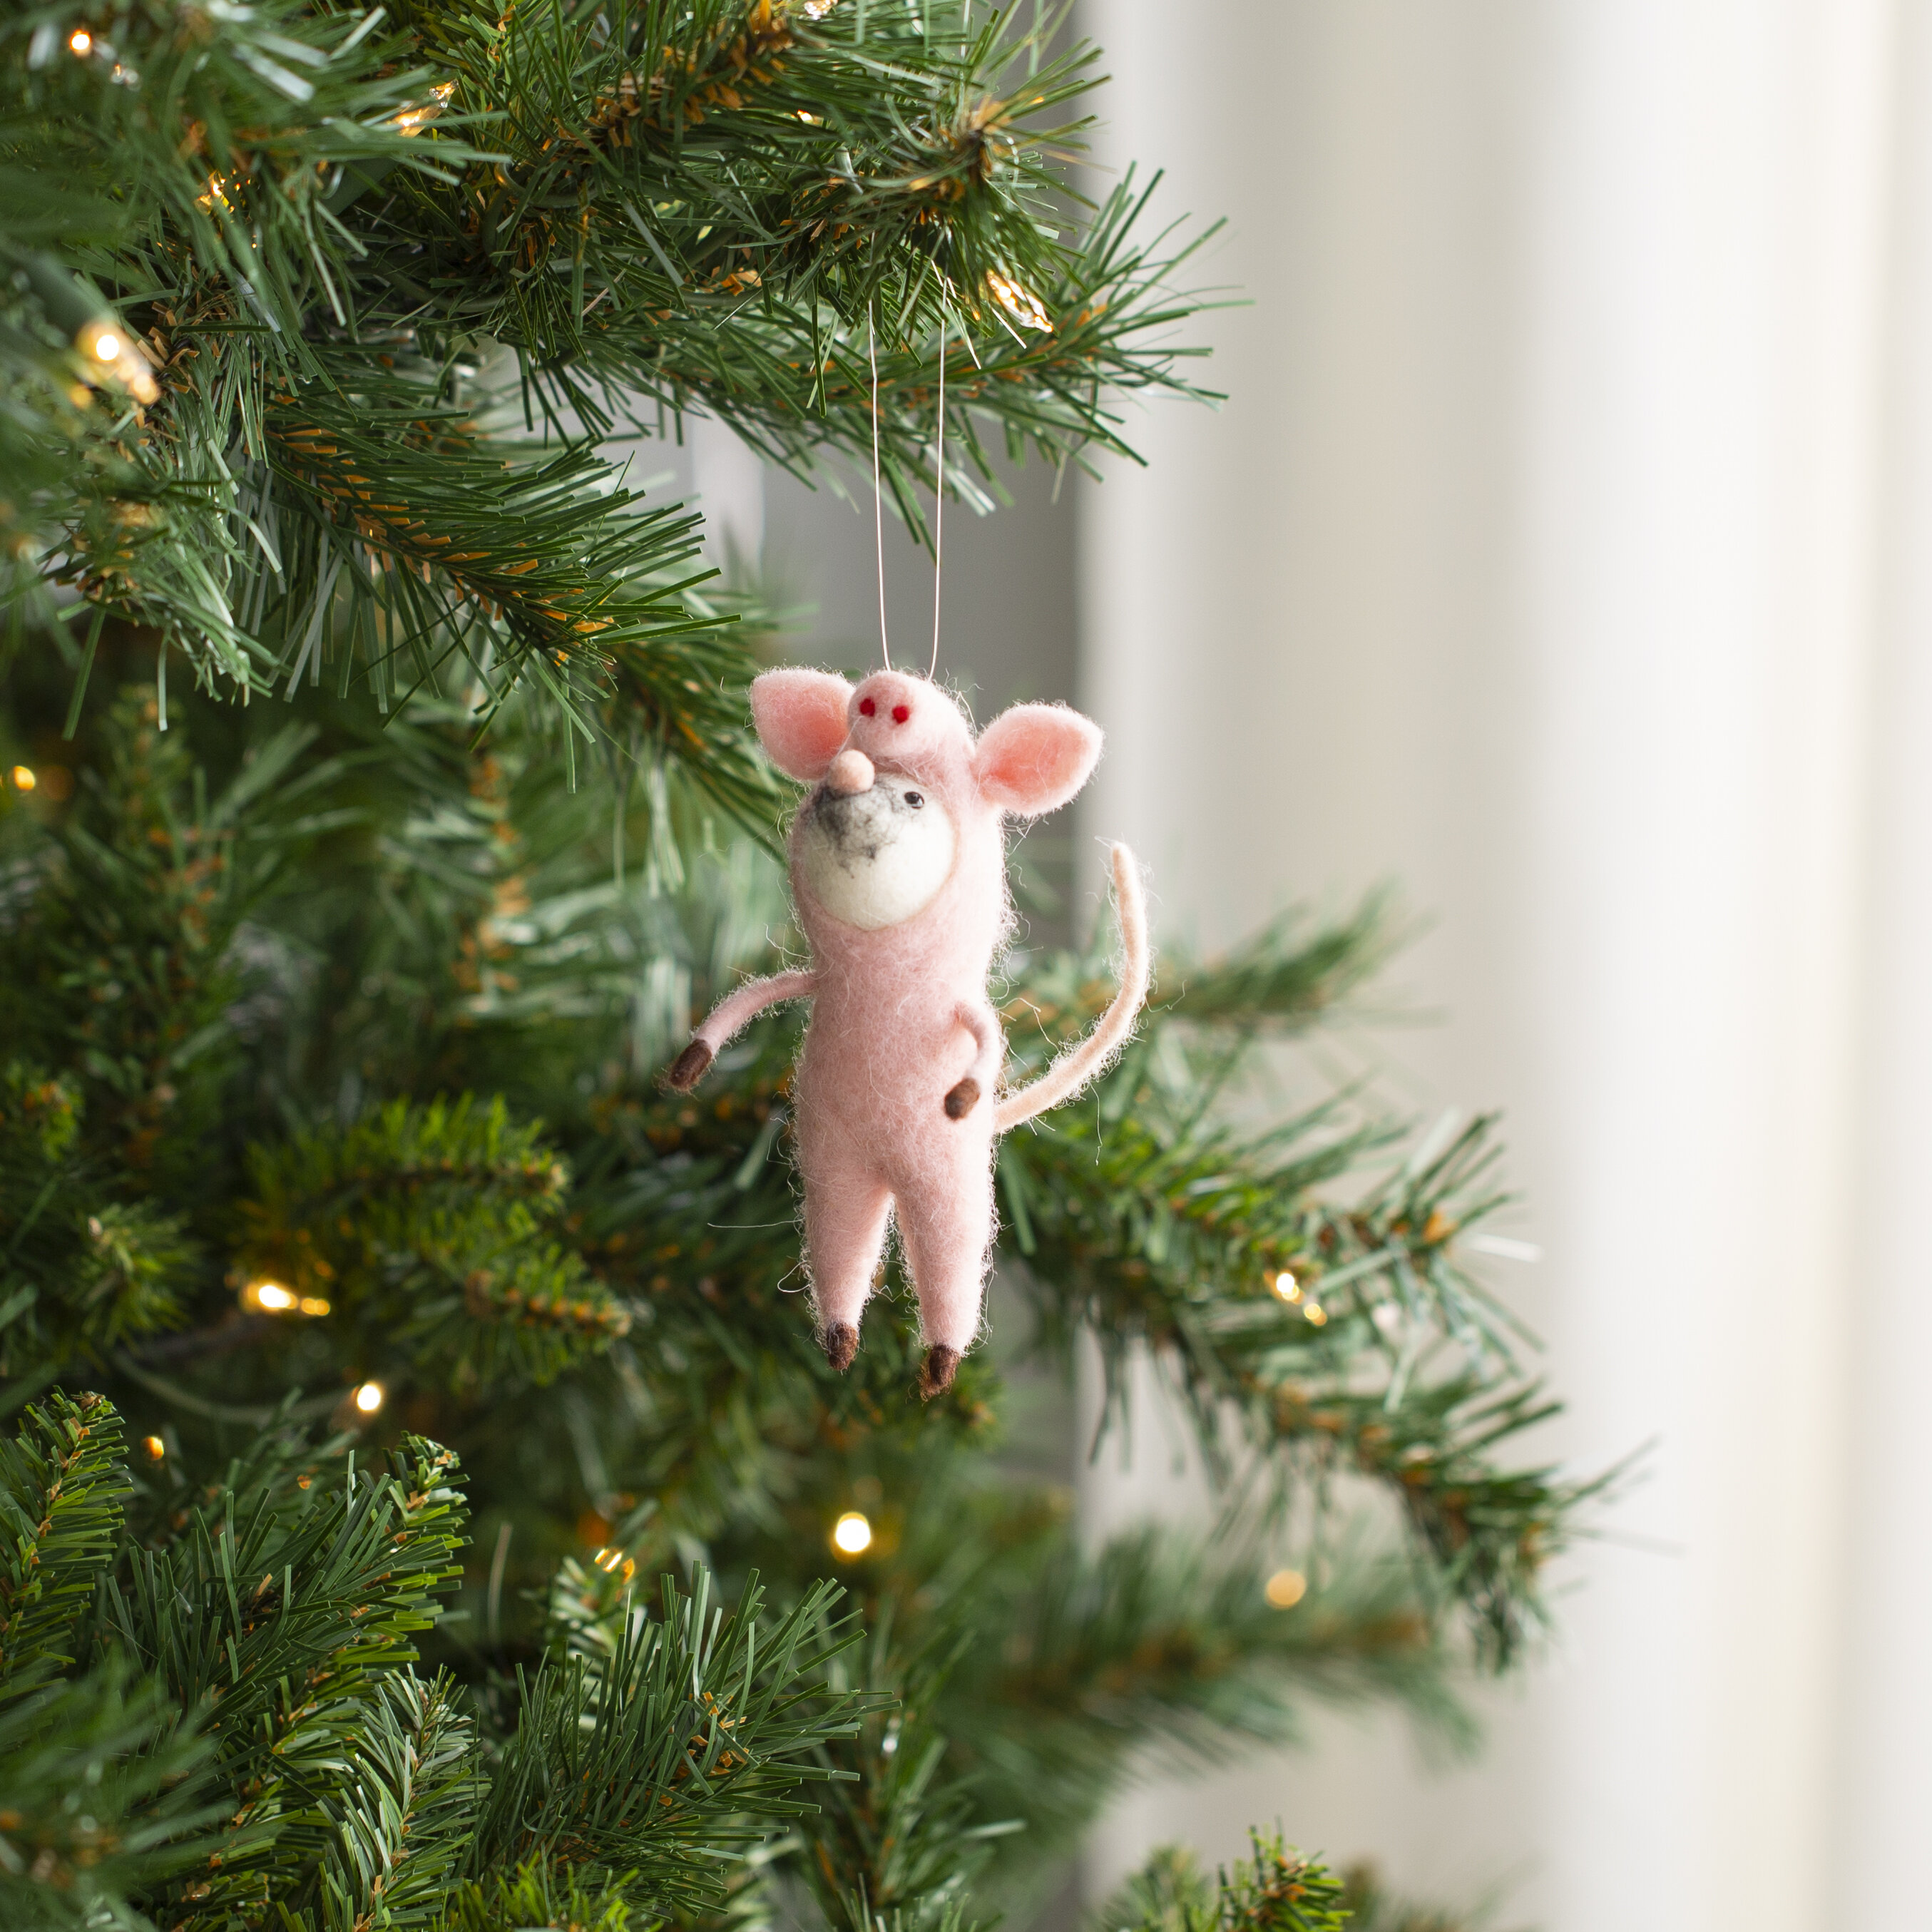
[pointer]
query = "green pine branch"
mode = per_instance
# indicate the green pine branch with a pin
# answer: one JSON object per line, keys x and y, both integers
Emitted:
{"x": 902, "y": 1843}
{"x": 433, "y": 1233}
{"x": 92, "y": 1772}
{"x": 63, "y": 1489}
{"x": 273, "y": 1630}
{"x": 403, "y": 1821}
{"x": 1274, "y": 1889}
{"x": 674, "y": 1751}
{"x": 80, "y": 1270}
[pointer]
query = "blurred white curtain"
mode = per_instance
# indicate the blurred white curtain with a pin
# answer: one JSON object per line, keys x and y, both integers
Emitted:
{"x": 1564, "y": 551}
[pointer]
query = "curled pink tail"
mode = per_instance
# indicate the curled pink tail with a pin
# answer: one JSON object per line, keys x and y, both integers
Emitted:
{"x": 1085, "y": 1058}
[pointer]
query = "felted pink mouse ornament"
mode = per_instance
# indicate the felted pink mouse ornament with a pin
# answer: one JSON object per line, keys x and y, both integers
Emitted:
{"x": 899, "y": 874}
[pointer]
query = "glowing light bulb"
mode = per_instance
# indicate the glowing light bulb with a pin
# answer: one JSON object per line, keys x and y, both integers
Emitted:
{"x": 369, "y": 1397}
{"x": 1315, "y": 1313}
{"x": 1285, "y": 1588}
{"x": 81, "y": 40}
{"x": 23, "y": 777}
{"x": 268, "y": 1298}
{"x": 122, "y": 356}
{"x": 155, "y": 1447}
{"x": 1283, "y": 1287}
{"x": 1017, "y": 300}
{"x": 312, "y": 1304}
{"x": 852, "y": 1534}
{"x": 411, "y": 118}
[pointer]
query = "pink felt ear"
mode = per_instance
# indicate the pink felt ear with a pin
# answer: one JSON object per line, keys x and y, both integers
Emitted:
{"x": 800, "y": 717}
{"x": 1036, "y": 756}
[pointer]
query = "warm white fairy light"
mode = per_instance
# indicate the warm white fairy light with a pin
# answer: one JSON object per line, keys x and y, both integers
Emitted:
{"x": 1017, "y": 300}
{"x": 24, "y": 779}
{"x": 274, "y": 1297}
{"x": 1285, "y": 1588}
{"x": 369, "y": 1397}
{"x": 1283, "y": 1287}
{"x": 121, "y": 356}
{"x": 413, "y": 118}
{"x": 81, "y": 40}
{"x": 155, "y": 1447}
{"x": 852, "y": 1534}
{"x": 1315, "y": 1314}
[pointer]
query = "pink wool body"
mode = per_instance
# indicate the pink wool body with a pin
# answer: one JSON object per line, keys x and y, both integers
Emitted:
{"x": 898, "y": 1105}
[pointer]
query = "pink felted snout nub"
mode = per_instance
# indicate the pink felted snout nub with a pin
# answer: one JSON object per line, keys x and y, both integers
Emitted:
{"x": 851, "y": 772}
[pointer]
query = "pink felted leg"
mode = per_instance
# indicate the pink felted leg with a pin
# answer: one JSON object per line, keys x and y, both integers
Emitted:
{"x": 946, "y": 1222}
{"x": 845, "y": 1211}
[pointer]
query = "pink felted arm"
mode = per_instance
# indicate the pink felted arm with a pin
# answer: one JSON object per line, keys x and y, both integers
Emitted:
{"x": 735, "y": 1010}
{"x": 989, "y": 1054}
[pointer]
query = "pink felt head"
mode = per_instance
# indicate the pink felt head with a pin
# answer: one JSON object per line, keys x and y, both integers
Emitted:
{"x": 1035, "y": 757}
{"x": 1029, "y": 760}
{"x": 800, "y": 718}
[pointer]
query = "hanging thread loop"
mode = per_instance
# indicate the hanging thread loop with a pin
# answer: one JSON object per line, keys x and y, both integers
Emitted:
{"x": 939, "y": 499}
{"x": 878, "y": 495}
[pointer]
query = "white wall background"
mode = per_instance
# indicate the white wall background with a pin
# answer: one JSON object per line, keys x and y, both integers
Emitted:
{"x": 1564, "y": 551}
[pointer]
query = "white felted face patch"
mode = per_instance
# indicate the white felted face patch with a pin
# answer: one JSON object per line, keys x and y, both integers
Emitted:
{"x": 874, "y": 858}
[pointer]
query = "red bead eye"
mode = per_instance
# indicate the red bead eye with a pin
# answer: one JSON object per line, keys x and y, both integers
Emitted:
{"x": 901, "y": 713}
{"x": 866, "y": 707}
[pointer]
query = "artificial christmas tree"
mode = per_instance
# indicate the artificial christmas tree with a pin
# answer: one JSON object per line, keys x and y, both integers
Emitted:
{"x": 375, "y": 1331}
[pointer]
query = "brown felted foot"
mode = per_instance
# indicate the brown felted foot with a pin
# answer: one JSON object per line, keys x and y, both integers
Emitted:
{"x": 841, "y": 1344}
{"x": 941, "y": 1365}
{"x": 962, "y": 1100}
{"x": 688, "y": 1069}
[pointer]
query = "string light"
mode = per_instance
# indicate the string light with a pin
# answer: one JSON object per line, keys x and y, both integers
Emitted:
{"x": 611, "y": 1561}
{"x": 1017, "y": 300}
{"x": 1283, "y": 1287}
{"x": 272, "y": 1298}
{"x": 125, "y": 358}
{"x": 81, "y": 40}
{"x": 1285, "y": 1588}
{"x": 155, "y": 1447}
{"x": 24, "y": 778}
{"x": 852, "y": 1534}
{"x": 412, "y": 118}
{"x": 369, "y": 1397}
{"x": 1315, "y": 1314}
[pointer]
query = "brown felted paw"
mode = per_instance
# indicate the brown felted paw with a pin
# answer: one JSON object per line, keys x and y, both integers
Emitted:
{"x": 936, "y": 1374}
{"x": 688, "y": 1069}
{"x": 841, "y": 1345}
{"x": 960, "y": 1101}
